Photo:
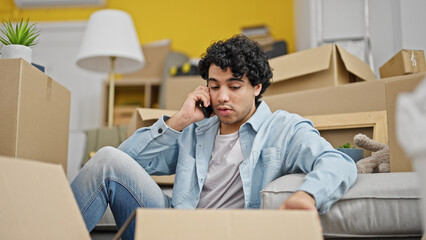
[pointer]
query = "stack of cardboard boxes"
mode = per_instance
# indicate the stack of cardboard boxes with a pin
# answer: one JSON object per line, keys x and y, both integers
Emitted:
{"x": 329, "y": 80}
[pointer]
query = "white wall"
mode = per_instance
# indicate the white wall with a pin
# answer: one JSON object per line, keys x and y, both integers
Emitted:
{"x": 57, "y": 51}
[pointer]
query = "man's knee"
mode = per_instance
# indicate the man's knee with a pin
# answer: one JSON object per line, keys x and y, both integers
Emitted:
{"x": 111, "y": 158}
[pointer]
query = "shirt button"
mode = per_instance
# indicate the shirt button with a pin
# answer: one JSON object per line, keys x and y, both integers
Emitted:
{"x": 160, "y": 130}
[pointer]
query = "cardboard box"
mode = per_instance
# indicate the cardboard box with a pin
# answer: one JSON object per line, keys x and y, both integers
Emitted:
{"x": 178, "y": 88}
{"x": 37, "y": 202}
{"x": 123, "y": 114}
{"x": 357, "y": 97}
{"x": 145, "y": 117}
{"x": 224, "y": 224}
{"x": 404, "y": 62}
{"x": 155, "y": 54}
{"x": 35, "y": 114}
{"x": 325, "y": 66}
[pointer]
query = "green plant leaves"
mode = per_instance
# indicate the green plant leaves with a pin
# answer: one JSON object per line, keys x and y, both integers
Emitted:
{"x": 346, "y": 145}
{"x": 22, "y": 33}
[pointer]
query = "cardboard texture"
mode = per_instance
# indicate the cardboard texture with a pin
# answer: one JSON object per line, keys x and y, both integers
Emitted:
{"x": 225, "y": 224}
{"x": 37, "y": 202}
{"x": 35, "y": 113}
{"x": 328, "y": 65}
{"x": 145, "y": 117}
{"x": 404, "y": 62}
{"x": 357, "y": 97}
{"x": 178, "y": 88}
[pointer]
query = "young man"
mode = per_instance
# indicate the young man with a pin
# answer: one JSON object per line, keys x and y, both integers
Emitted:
{"x": 220, "y": 162}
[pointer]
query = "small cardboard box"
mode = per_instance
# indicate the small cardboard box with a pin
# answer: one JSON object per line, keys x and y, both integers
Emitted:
{"x": 35, "y": 114}
{"x": 224, "y": 224}
{"x": 376, "y": 95}
{"x": 37, "y": 202}
{"x": 404, "y": 62}
{"x": 145, "y": 117}
{"x": 178, "y": 88}
{"x": 325, "y": 66}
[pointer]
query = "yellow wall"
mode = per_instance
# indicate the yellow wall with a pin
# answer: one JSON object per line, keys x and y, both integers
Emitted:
{"x": 191, "y": 24}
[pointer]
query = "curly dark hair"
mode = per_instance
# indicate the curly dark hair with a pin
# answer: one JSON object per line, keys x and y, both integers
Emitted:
{"x": 243, "y": 56}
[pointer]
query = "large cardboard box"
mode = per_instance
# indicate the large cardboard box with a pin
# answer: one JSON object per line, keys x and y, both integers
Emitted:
{"x": 404, "y": 62}
{"x": 178, "y": 88}
{"x": 328, "y": 65}
{"x": 225, "y": 224}
{"x": 37, "y": 202}
{"x": 145, "y": 117}
{"x": 376, "y": 95}
{"x": 35, "y": 113}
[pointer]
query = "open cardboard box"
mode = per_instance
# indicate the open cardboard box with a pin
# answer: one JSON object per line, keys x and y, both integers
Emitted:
{"x": 378, "y": 95}
{"x": 35, "y": 114}
{"x": 37, "y": 202}
{"x": 224, "y": 224}
{"x": 325, "y": 66}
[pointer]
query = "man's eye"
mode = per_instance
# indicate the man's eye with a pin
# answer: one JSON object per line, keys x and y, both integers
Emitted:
{"x": 214, "y": 87}
{"x": 235, "y": 88}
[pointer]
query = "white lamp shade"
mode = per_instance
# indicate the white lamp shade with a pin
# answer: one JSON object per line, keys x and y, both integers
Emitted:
{"x": 110, "y": 33}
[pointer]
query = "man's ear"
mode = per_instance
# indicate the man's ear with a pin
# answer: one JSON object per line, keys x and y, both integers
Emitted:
{"x": 257, "y": 89}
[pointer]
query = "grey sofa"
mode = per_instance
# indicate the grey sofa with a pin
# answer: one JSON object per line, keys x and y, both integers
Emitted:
{"x": 379, "y": 205}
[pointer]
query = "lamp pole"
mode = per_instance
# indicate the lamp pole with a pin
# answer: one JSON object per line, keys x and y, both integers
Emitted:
{"x": 111, "y": 93}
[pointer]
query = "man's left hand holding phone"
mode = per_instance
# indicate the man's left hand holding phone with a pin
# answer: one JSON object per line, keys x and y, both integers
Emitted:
{"x": 191, "y": 110}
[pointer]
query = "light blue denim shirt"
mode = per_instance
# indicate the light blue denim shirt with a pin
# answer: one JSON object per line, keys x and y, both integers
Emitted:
{"x": 273, "y": 144}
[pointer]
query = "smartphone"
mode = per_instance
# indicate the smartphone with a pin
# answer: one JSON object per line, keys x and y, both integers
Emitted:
{"x": 206, "y": 110}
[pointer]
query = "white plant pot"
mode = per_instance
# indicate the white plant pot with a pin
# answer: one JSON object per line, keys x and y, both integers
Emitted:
{"x": 17, "y": 51}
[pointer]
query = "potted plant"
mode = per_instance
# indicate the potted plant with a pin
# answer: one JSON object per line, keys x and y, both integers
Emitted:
{"x": 18, "y": 38}
{"x": 355, "y": 153}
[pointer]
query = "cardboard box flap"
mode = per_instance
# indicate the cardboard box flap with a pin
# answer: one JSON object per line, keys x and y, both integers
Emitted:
{"x": 145, "y": 117}
{"x": 301, "y": 63}
{"x": 37, "y": 202}
{"x": 225, "y": 224}
{"x": 153, "y": 114}
{"x": 356, "y": 65}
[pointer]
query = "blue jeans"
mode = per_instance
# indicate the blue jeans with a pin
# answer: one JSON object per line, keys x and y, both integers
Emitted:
{"x": 113, "y": 177}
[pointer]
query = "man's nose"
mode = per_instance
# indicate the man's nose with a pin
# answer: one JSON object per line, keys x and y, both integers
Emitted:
{"x": 223, "y": 95}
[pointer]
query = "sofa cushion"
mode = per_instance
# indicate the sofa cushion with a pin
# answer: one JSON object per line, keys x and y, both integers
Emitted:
{"x": 378, "y": 205}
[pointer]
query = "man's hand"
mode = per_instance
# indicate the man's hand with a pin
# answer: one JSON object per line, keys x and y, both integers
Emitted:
{"x": 190, "y": 112}
{"x": 299, "y": 200}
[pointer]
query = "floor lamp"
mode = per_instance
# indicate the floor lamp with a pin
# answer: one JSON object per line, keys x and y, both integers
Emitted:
{"x": 110, "y": 45}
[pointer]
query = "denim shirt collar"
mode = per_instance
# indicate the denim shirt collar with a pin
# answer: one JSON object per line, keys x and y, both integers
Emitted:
{"x": 262, "y": 113}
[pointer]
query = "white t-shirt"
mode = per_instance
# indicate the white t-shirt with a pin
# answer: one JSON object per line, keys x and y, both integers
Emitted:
{"x": 223, "y": 187}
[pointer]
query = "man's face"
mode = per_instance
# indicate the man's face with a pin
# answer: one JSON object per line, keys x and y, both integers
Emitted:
{"x": 232, "y": 98}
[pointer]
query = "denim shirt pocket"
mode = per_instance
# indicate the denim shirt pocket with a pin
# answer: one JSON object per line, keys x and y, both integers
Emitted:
{"x": 185, "y": 178}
